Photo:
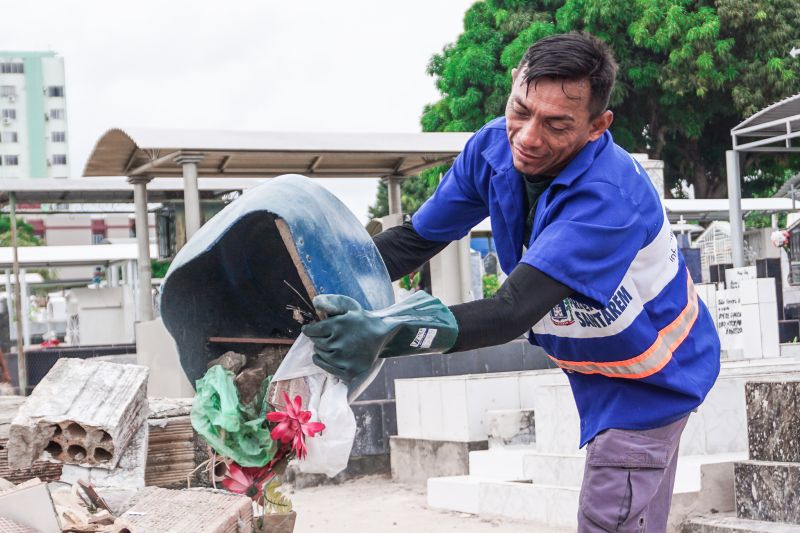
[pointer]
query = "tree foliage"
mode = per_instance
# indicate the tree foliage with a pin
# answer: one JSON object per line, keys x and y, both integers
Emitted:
{"x": 690, "y": 70}
{"x": 25, "y": 236}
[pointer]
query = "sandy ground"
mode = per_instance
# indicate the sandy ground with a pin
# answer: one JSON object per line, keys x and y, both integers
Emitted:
{"x": 376, "y": 505}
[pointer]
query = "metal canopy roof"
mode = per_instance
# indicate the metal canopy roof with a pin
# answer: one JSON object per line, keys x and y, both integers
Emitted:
{"x": 61, "y": 256}
{"x": 718, "y": 208}
{"x": 148, "y": 153}
{"x": 112, "y": 189}
{"x": 777, "y": 123}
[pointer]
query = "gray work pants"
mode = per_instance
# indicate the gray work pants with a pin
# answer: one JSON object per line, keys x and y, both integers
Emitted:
{"x": 628, "y": 480}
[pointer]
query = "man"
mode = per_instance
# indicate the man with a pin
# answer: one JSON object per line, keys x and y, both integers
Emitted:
{"x": 595, "y": 278}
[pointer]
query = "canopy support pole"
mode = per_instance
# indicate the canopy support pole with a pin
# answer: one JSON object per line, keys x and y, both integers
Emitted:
{"x": 21, "y": 362}
{"x": 191, "y": 192}
{"x": 393, "y": 187}
{"x": 735, "y": 211}
{"x": 145, "y": 298}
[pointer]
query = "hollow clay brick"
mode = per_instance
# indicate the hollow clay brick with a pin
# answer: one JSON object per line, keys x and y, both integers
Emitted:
{"x": 83, "y": 412}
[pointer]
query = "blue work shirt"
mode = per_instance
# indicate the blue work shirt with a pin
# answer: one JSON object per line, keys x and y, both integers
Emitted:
{"x": 638, "y": 346}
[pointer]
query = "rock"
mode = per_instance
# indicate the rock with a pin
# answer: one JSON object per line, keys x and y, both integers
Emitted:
{"x": 230, "y": 361}
{"x": 248, "y": 383}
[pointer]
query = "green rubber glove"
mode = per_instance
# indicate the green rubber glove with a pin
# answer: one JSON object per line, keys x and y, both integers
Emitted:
{"x": 350, "y": 340}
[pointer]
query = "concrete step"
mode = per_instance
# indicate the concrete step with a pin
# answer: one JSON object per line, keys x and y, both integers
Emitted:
{"x": 566, "y": 470}
{"x": 729, "y": 523}
{"x": 540, "y": 504}
{"x": 504, "y": 464}
{"x": 455, "y": 493}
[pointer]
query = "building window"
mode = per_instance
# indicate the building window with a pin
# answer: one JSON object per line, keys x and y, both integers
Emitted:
{"x": 132, "y": 227}
{"x": 11, "y": 160}
{"x": 55, "y": 91}
{"x": 57, "y": 114}
{"x": 9, "y": 114}
{"x": 7, "y": 91}
{"x": 165, "y": 230}
{"x": 12, "y": 68}
{"x": 99, "y": 231}
{"x": 59, "y": 159}
{"x": 8, "y": 136}
{"x": 58, "y": 136}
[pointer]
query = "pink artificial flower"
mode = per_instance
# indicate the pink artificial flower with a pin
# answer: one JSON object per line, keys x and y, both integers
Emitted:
{"x": 247, "y": 480}
{"x": 293, "y": 425}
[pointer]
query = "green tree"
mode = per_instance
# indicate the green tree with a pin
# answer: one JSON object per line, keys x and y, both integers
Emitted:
{"x": 25, "y": 236}
{"x": 690, "y": 70}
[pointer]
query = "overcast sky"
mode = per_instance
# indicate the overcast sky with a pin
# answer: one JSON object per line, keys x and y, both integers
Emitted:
{"x": 303, "y": 65}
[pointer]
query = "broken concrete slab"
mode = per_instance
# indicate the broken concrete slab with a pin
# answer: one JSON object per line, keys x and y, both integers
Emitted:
{"x": 188, "y": 511}
{"x": 83, "y": 412}
{"x": 9, "y": 526}
{"x": 45, "y": 470}
{"x": 30, "y": 505}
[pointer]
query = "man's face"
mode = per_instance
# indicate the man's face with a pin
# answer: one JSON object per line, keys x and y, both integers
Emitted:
{"x": 548, "y": 122}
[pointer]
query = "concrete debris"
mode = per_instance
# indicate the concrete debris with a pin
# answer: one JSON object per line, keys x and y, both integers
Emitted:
{"x": 230, "y": 361}
{"x": 187, "y": 511}
{"x": 83, "y": 412}
{"x": 129, "y": 473}
{"x": 9, "y": 526}
{"x": 45, "y": 470}
{"x": 75, "y": 515}
{"x": 29, "y": 504}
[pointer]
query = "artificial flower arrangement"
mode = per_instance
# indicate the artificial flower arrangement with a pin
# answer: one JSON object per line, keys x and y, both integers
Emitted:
{"x": 255, "y": 440}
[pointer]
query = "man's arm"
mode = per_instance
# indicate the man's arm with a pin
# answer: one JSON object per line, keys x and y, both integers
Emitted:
{"x": 526, "y": 296}
{"x": 403, "y": 249}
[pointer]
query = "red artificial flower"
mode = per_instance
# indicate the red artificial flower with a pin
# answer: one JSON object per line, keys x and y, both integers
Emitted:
{"x": 247, "y": 480}
{"x": 293, "y": 425}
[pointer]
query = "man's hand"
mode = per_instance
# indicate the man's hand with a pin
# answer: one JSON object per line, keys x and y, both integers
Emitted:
{"x": 350, "y": 340}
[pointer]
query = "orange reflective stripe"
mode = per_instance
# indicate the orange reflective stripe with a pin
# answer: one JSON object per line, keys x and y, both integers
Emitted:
{"x": 655, "y": 357}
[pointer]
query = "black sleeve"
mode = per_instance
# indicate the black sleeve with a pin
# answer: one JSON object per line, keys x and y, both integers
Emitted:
{"x": 526, "y": 296}
{"x": 403, "y": 249}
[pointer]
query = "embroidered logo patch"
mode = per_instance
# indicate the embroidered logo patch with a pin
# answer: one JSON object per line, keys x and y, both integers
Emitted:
{"x": 561, "y": 314}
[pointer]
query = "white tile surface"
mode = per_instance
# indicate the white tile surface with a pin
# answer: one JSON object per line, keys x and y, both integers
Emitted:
{"x": 751, "y": 331}
{"x": 553, "y": 506}
{"x": 725, "y": 417}
{"x": 529, "y": 383}
{"x": 457, "y": 493}
{"x": 489, "y": 393}
{"x": 504, "y": 464}
{"x": 557, "y": 421}
{"x": 455, "y": 423}
{"x": 768, "y": 318}
{"x": 693, "y": 439}
{"x": 554, "y": 469}
{"x": 409, "y": 424}
{"x": 431, "y": 409}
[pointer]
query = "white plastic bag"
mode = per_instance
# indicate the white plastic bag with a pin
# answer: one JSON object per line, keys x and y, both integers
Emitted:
{"x": 326, "y": 396}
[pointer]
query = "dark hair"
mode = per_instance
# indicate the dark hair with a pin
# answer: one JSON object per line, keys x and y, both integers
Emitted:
{"x": 573, "y": 56}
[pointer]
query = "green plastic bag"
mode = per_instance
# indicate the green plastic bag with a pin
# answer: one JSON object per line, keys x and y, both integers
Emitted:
{"x": 234, "y": 430}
